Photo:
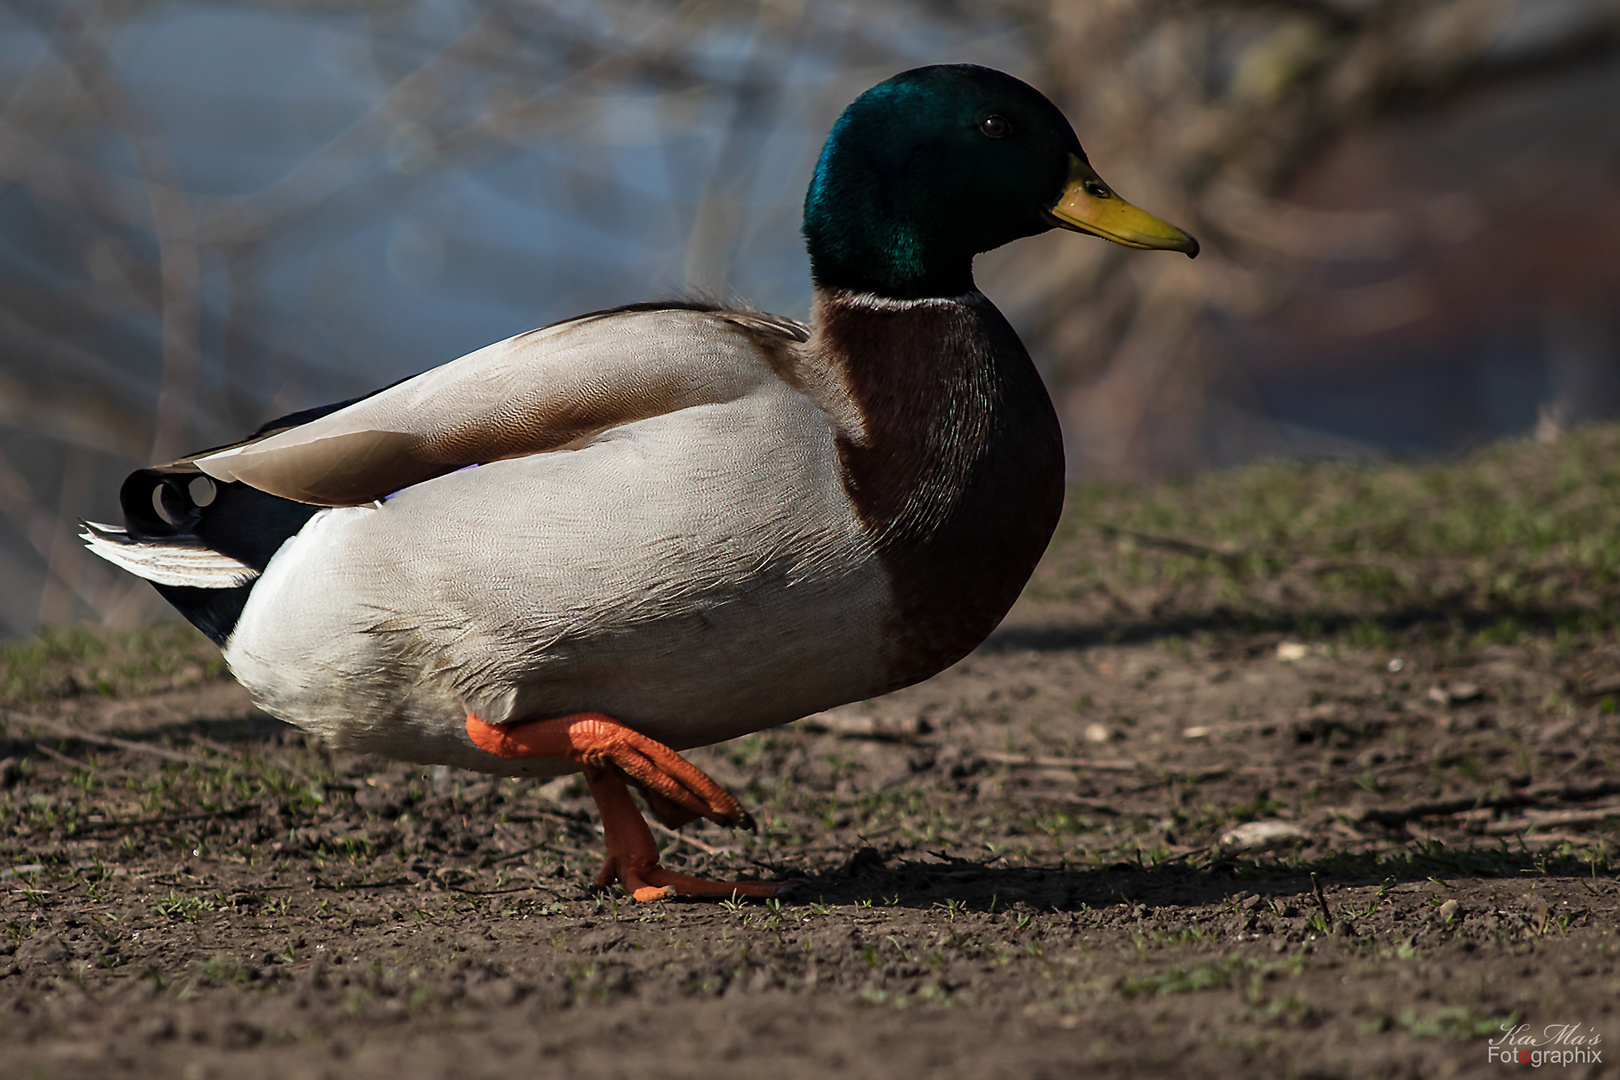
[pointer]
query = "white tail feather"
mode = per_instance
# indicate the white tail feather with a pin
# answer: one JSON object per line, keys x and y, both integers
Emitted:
{"x": 167, "y": 563}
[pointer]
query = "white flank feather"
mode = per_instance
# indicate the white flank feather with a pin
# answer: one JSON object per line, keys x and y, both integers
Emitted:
{"x": 167, "y": 563}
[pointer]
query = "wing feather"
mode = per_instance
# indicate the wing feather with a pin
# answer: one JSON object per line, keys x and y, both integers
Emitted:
{"x": 544, "y": 390}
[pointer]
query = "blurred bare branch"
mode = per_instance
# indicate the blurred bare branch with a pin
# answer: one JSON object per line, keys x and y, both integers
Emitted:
{"x": 71, "y": 34}
{"x": 1212, "y": 108}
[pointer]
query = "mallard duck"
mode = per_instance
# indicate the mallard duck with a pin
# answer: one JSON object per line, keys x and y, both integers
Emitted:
{"x": 665, "y": 525}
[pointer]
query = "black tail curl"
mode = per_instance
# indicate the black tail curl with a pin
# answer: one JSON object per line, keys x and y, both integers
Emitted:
{"x": 180, "y": 502}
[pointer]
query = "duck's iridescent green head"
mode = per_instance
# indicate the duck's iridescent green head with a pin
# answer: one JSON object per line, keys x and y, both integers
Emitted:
{"x": 937, "y": 164}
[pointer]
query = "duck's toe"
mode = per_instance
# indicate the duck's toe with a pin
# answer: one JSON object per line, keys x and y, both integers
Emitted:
{"x": 632, "y": 856}
{"x": 677, "y": 792}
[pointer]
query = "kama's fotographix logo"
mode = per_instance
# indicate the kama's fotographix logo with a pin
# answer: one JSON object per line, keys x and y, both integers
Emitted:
{"x": 1554, "y": 1044}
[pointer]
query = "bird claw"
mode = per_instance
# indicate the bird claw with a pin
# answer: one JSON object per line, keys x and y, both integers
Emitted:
{"x": 677, "y": 791}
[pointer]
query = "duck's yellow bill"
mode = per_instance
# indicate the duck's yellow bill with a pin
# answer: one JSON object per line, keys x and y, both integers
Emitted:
{"x": 1088, "y": 205}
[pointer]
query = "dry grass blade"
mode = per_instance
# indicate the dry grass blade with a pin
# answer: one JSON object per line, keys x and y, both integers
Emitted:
{"x": 1543, "y": 818}
{"x": 63, "y": 731}
{"x": 1039, "y": 761}
{"x": 866, "y": 727}
{"x": 707, "y": 849}
{"x": 1465, "y": 807}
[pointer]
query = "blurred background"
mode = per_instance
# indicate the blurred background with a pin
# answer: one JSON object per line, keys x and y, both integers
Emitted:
{"x": 215, "y": 212}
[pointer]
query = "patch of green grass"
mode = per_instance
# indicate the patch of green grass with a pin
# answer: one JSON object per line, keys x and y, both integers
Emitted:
{"x": 1453, "y": 1022}
{"x": 1060, "y": 823}
{"x": 178, "y": 905}
{"x": 1222, "y": 972}
{"x": 225, "y": 971}
{"x": 70, "y": 661}
{"x": 1517, "y": 538}
{"x": 1185, "y": 937}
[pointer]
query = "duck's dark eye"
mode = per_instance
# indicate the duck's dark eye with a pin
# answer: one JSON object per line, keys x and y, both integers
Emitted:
{"x": 1096, "y": 189}
{"x": 995, "y": 126}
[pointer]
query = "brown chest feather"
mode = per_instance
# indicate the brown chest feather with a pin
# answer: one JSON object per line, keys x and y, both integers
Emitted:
{"x": 959, "y": 475}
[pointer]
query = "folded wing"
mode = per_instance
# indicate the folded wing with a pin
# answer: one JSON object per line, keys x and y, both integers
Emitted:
{"x": 541, "y": 391}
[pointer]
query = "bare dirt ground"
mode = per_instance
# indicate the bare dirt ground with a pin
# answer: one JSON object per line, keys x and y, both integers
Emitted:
{"x": 1295, "y": 772}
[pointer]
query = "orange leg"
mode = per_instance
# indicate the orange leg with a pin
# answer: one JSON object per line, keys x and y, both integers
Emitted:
{"x": 677, "y": 790}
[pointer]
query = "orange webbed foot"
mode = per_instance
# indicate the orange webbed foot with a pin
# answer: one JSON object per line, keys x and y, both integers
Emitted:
{"x": 632, "y": 856}
{"x": 677, "y": 791}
